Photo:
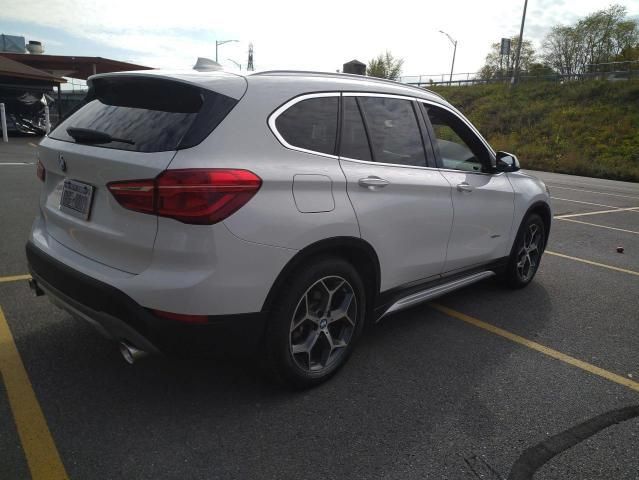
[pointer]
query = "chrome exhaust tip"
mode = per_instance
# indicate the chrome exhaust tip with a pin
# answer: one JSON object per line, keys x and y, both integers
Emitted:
{"x": 35, "y": 288}
{"x": 130, "y": 353}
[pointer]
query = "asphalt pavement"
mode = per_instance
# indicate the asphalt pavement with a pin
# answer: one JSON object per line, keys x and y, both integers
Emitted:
{"x": 463, "y": 388}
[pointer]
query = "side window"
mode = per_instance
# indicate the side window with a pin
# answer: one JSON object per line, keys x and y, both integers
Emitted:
{"x": 459, "y": 147}
{"x": 354, "y": 141}
{"x": 310, "y": 124}
{"x": 393, "y": 130}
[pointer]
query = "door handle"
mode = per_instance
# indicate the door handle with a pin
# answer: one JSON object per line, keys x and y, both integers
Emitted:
{"x": 465, "y": 187}
{"x": 372, "y": 182}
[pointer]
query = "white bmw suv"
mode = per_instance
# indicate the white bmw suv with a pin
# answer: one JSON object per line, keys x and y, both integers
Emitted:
{"x": 277, "y": 213}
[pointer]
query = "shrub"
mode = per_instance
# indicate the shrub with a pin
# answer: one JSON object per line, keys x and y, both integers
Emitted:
{"x": 586, "y": 128}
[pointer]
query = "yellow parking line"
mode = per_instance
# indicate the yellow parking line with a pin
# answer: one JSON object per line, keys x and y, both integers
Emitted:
{"x": 15, "y": 278}
{"x": 562, "y": 357}
{"x": 590, "y": 262}
{"x": 40, "y": 450}
{"x": 597, "y": 225}
{"x": 598, "y": 212}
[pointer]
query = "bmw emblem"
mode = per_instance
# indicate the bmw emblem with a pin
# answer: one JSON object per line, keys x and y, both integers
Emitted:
{"x": 61, "y": 163}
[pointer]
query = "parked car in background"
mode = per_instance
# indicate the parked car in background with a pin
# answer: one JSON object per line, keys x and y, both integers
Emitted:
{"x": 277, "y": 212}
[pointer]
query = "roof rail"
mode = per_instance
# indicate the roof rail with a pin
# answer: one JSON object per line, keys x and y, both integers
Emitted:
{"x": 346, "y": 75}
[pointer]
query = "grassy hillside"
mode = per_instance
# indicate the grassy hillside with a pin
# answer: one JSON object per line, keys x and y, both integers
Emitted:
{"x": 582, "y": 128}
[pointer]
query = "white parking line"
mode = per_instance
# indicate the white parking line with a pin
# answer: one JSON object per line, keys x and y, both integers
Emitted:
{"x": 598, "y": 212}
{"x": 590, "y": 262}
{"x": 592, "y": 191}
{"x": 597, "y": 225}
{"x": 16, "y": 163}
{"x": 585, "y": 203}
{"x": 573, "y": 183}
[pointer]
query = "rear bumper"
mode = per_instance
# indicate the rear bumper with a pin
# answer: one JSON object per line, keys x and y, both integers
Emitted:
{"x": 119, "y": 317}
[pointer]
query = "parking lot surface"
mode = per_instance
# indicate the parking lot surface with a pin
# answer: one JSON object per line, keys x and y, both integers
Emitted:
{"x": 462, "y": 388}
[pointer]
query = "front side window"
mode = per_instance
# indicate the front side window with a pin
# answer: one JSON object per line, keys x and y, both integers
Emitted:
{"x": 393, "y": 130}
{"x": 310, "y": 124}
{"x": 459, "y": 147}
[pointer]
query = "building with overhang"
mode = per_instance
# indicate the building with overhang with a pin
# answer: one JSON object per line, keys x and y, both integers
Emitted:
{"x": 29, "y": 80}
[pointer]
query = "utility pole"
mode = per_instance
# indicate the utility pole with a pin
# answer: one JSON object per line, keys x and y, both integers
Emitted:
{"x": 452, "y": 67}
{"x": 521, "y": 41}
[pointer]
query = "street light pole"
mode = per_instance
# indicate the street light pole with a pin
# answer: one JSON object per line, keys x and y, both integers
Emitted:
{"x": 221, "y": 42}
{"x": 521, "y": 40}
{"x": 452, "y": 67}
{"x": 237, "y": 64}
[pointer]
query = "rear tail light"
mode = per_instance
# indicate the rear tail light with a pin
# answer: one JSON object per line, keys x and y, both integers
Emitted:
{"x": 40, "y": 171}
{"x": 195, "y": 196}
{"x": 138, "y": 195}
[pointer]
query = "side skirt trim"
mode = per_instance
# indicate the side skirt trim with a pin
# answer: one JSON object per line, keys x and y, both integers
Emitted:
{"x": 434, "y": 292}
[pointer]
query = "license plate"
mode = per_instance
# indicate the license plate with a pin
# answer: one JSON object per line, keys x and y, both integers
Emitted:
{"x": 76, "y": 199}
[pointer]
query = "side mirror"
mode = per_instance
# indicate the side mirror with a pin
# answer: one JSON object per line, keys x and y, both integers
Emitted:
{"x": 506, "y": 162}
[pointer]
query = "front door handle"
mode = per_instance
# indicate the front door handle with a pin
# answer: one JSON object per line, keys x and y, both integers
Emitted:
{"x": 464, "y": 187}
{"x": 372, "y": 182}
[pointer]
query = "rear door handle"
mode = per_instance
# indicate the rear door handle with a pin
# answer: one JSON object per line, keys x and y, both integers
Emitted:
{"x": 465, "y": 187}
{"x": 372, "y": 182}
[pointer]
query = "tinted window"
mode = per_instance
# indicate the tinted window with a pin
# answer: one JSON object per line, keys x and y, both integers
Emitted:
{"x": 459, "y": 148}
{"x": 393, "y": 130}
{"x": 354, "y": 142}
{"x": 154, "y": 114}
{"x": 310, "y": 124}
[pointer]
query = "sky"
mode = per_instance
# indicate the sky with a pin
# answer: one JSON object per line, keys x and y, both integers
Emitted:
{"x": 307, "y": 35}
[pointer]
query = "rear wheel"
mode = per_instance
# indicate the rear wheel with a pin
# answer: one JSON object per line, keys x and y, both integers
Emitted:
{"x": 316, "y": 321}
{"x": 526, "y": 252}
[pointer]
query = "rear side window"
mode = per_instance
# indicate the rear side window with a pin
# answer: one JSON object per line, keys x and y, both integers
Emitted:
{"x": 310, "y": 124}
{"x": 151, "y": 115}
{"x": 354, "y": 141}
{"x": 394, "y": 132}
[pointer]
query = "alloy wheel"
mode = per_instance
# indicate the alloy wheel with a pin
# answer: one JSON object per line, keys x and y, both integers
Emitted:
{"x": 323, "y": 324}
{"x": 529, "y": 254}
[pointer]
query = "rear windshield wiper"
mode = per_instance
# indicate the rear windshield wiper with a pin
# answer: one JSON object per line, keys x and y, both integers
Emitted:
{"x": 86, "y": 135}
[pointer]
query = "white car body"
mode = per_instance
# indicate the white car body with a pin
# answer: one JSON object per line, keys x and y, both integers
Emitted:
{"x": 419, "y": 226}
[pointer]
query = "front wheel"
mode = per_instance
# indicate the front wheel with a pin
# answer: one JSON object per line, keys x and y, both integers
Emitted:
{"x": 526, "y": 253}
{"x": 317, "y": 319}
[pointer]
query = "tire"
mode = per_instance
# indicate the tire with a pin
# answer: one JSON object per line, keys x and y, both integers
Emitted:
{"x": 306, "y": 340}
{"x": 524, "y": 261}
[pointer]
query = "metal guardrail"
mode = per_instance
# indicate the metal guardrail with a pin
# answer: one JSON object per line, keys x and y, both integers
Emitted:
{"x": 612, "y": 71}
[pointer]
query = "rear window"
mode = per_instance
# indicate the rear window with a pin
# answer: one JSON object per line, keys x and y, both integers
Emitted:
{"x": 311, "y": 124}
{"x": 152, "y": 115}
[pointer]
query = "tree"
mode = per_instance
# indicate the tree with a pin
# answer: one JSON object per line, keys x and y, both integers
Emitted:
{"x": 629, "y": 54}
{"x": 498, "y": 67}
{"x": 600, "y": 37}
{"x": 385, "y": 65}
{"x": 562, "y": 50}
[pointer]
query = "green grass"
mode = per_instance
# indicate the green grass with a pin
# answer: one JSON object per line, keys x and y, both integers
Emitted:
{"x": 583, "y": 128}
